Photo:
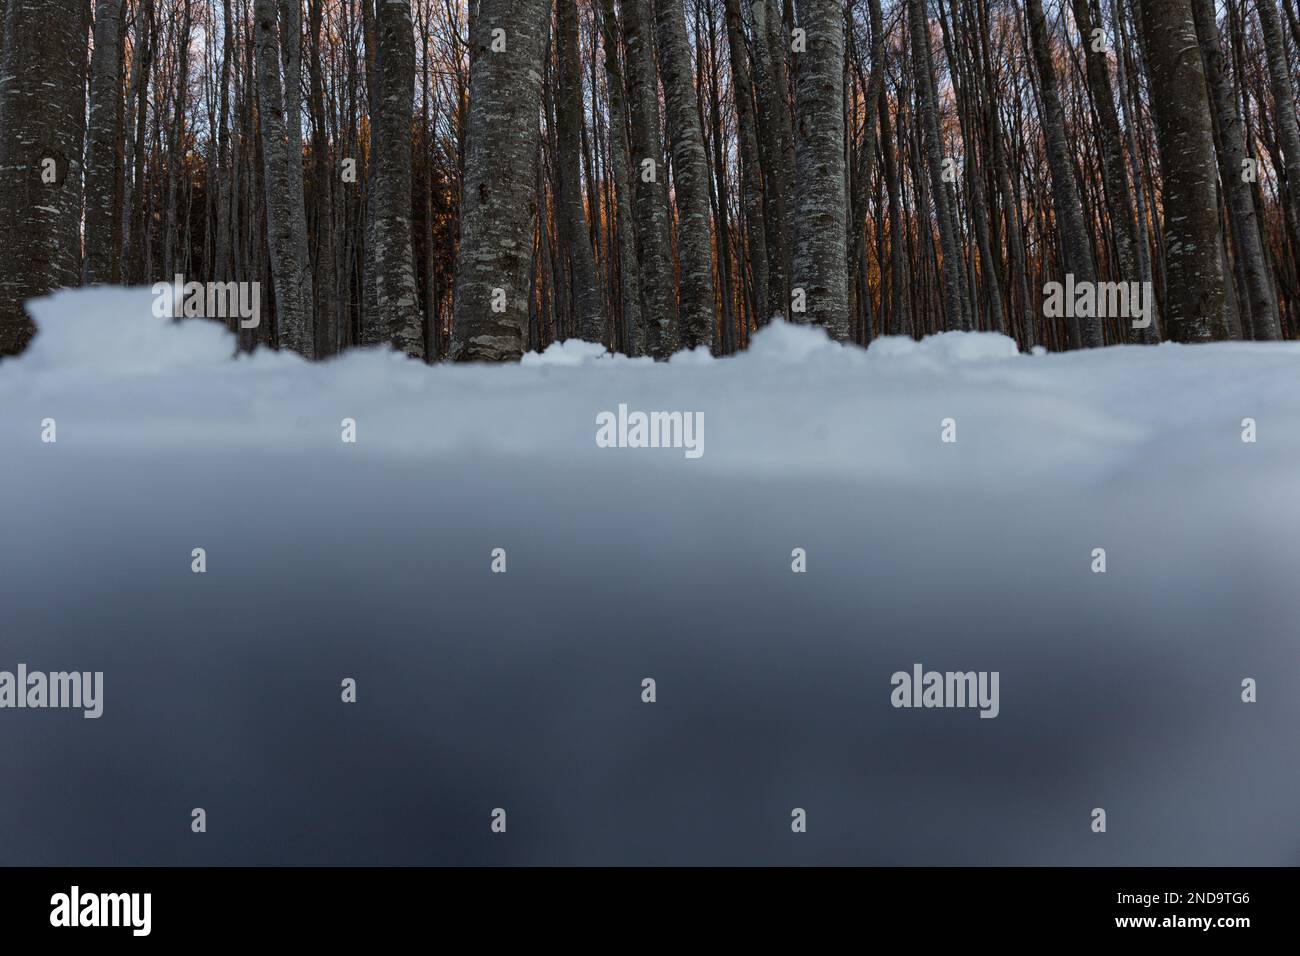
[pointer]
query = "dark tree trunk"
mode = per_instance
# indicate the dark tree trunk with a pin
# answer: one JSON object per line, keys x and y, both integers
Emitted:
{"x": 1194, "y": 300}
{"x": 42, "y": 111}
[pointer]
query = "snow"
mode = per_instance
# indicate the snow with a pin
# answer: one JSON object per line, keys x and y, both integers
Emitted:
{"x": 326, "y": 559}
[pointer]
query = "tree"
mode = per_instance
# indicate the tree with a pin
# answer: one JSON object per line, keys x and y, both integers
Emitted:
{"x": 653, "y": 243}
{"x": 286, "y": 217}
{"x": 103, "y": 240}
{"x": 954, "y": 290}
{"x": 1288, "y": 133}
{"x": 690, "y": 177}
{"x": 42, "y": 111}
{"x": 1260, "y": 303}
{"x": 397, "y": 299}
{"x": 776, "y": 140}
{"x": 1084, "y": 331}
{"x": 1195, "y": 301}
{"x": 751, "y": 165}
{"x": 818, "y": 261}
{"x": 628, "y": 272}
{"x": 1111, "y": 139}
{"x": 573, "y": 223}
{"x": 498, "y": 202}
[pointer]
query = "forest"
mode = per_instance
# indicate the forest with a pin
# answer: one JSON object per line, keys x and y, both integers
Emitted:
{"x": 470, "y": 180}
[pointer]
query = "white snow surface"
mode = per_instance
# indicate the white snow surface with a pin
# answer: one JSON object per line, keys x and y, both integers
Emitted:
{"x": 1120, "y": 690}
{"x": 795, "y": 403}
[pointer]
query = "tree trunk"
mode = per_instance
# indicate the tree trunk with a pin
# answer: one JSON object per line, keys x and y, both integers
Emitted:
{"x": 573, "y": 224}
{"x": 499, "y": 203}
{"x": 1252, "y": 266}
{"x": 1085, "y": 332}
{"x": 397, "y": 300}
{"x": 1288, "y": 133}
{"x": 897, "y": 320}
{"x": 776, "y": 140}
{"x": 751, "y": 169}
{"x": 103, "y": 155}
{"x": 42, "y": 109}
{"x": 818, "y": 262}
{"x": 325, "y": 291}
{"x": 690, "y": 177}
{"x": 1118, "y": 199}
{"x": 634, "y": 338}
{"x": 653, "y": 243}
{"x": 864, "y": 161}
{"x": 286, "y": 217}
{"x": 1194, "y": 300}
{"x": 955, "y": 298}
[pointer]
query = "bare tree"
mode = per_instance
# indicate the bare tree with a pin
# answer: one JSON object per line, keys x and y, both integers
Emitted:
{"x": 954, "y": 289}
{"x": 818, "y": 261}
{"x": 653, "y": 242}
{"x": 1085, "y": 331}
{"x": 397, "y": 300}
{"x": 1288, "y": 133}
{"x": 1195, "y": 300}
{"x": 572, "y": 221}
{"x": 42, "y": 109}
{"x": 751, "y": 166}
{"x": 498, "y": 203}
{"x": 103, "y": 151}
{"x": 634, "y": 342}
{"x": 1261, "y": 303}
{"x": 690, "y": 177}
{"x": 286, "y": 217}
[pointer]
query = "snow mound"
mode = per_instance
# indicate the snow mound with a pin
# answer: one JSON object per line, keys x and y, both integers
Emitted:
{"x": 114, "y": 331}
{"x": 572, "y": 352}
{"x": 782, "y": 341}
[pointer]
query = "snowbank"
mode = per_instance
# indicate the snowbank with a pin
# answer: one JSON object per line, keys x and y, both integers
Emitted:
{"x": 329, "y": 559}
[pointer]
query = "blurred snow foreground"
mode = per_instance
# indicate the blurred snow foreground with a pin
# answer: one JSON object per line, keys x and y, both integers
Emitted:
{"x": 375, "y": 560}
{"x": 109, "y": 372}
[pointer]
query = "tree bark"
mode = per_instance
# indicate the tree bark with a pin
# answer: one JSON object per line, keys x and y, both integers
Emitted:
{"x": 326, "y": 292}
{"x": 286, "y": 216}
{"x": 818, "y": 261}
{"x": 42, "y": 109}
{"x": 1288, "y": 133}
{"x": 1194, "y": 300}
{"x": 634, "y": 338}
{"x": 1085, "y": 332}
{"x": 572, "y": 222}
{"x": 396, "y": 319}
{"x": 1251, "y": 263}
{"x": 776, "y": 140}
{"x": 103, "y": 150}
{"x": 954, "y": 291}
{"x": 751, "y": 168}
{"x": 499, "y": 204}
{"x": 653, "y": 242}
{"x": 690, "y": 177}
{"x": 1113, "y": 170}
